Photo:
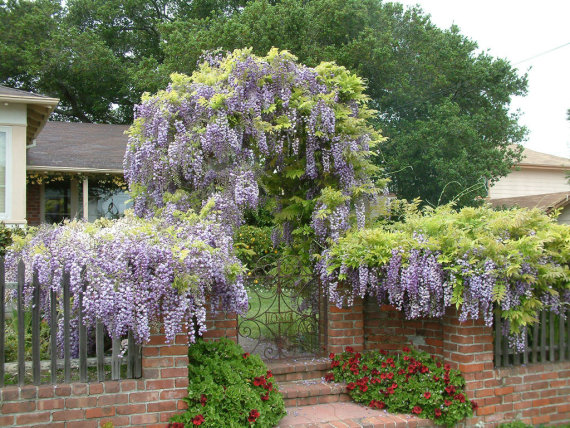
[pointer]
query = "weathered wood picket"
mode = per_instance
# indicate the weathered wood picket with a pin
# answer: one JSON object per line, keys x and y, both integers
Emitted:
{"x": 546, "y": 341}
{"x": 60, "y": 308}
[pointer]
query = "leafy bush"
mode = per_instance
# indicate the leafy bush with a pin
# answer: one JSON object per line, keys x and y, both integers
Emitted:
{"x": 475, "y": 258}
{"x": 229, "y": 388}
{"x": 410, "y": 383}
{"x": 6, "y": 236}
{"x": 254, "y": 247}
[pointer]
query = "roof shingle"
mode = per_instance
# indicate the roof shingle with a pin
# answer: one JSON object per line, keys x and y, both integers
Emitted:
{"x": 79, "y": 146}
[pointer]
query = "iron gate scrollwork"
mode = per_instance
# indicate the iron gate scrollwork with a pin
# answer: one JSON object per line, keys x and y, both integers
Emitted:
{"x": 283, "y": 312}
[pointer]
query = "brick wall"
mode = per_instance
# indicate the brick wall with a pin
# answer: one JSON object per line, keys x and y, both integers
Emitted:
{"x": 149, "y": 401}
{"x": 33, "y": 199}
{"x": 345, "y": 327}
{"x": 535, "y": 394}
{"x": 386, "y": 328}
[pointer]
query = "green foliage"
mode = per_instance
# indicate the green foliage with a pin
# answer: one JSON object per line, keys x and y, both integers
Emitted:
{"x": 7, "y": 236}
{"x": 412, "y": 382}
{"x": 11, "y": 337}
{"x": 254, "y": 247}
{"x": 226, "y": 384}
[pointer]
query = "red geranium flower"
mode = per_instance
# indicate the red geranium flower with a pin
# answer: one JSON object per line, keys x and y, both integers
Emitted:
{"x": 176, "y": 425}
{"x": 390, "y": 360}
{"x": 417, "y": 410}
{"x": 203, "y": 400}
{"x": 329, "y": 377}
{"x": 377, "y": 404}
{"x": 331, "y": 356}
{"x": 460, "y": 398}
{"x": 474, "y": 405}
{"x": 406, "y": 349}
{"x": 364, "y": 367}
{"x": 435, "y": 378}
{"x": 448, "y": 402}
{"x": 350, "y": 386}
{"x": 383, "y": 352}
{"x": 198, "y": 420}
{"x": 334, "y": 364}
{"x": 438, "y": 364}
{"x": 253, "y": 415}
{"x": 265, "y": 397}
{"x": 374, "y": 372}
{"x": 364, "y": 388}
{"x": 269, "y": 386}
{"x": 394, "y": 385}
{"x": 384, "y": 365}
{"x": 383, "y": 376}
{"x": 401, "y": 372}
{"x": 259, "y": 381}
{"x": 450, "y": 389}
{"x": 437, "y": 413}
{"x": 447, "y": 367}
{"x": 425, "y": 369}
{"x": 406, "y": 358}
{"x": 427, "y": 395}
{"x": 390, "y": 375}
{"x": 349, "y": 349}
{"x": 245, "y": 355}
{"x": 269, "y": 374}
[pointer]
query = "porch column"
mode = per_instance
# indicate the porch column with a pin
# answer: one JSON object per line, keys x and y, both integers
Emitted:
{"x": 86, "y": 199}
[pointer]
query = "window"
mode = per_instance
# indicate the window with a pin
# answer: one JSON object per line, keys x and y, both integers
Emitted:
{"x": 106, "y": 200}
{"x": 57, "y": 201}
{"x": 5, "y": 146}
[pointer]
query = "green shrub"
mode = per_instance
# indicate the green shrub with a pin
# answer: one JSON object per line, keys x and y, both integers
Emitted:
{"x": 229, "y": 388}
{"x": 412, "y": 382}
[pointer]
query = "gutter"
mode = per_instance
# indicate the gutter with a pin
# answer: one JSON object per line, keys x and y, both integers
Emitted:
{"x": 74, "y": 169}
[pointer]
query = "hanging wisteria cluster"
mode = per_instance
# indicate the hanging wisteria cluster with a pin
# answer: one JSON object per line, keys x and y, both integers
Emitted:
{"x": 477, "y": 259}
{"x": 248, "y": 128}
{"x": 134, "y": 271}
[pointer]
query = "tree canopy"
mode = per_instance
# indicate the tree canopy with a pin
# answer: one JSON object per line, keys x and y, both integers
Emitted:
{"x": 443, "y": 106}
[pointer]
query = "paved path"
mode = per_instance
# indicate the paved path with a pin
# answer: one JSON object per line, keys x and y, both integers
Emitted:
{"x": 337, "y": 415}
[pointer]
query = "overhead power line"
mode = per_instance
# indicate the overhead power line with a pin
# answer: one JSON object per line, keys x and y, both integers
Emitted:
{"x": 542, "y": 53}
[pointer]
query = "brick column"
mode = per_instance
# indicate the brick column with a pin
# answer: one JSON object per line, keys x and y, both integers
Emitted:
{"x": 221, "y": 324}
{"x": 468, "y": 347}
{"x": 345, "y": 327}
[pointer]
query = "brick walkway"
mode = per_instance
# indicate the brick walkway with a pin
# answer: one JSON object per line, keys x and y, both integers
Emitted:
{"x": 342, "y": 414}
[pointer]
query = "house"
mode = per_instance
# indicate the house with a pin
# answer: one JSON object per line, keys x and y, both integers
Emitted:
{"x": 538, "y": 181}
{"x": 50, "y": 171}
{"x": 22, "y": 117}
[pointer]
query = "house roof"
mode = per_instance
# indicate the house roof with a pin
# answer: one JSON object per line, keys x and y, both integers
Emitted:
{"x": 6, "y": 91}
{"x": 81, "y": 147}
{"x": 545, "y": 201}
{"x": 39, "y": 107}
{"x": 538, "y": 159}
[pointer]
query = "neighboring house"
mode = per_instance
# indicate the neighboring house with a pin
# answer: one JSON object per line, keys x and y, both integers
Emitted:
{"x": 538, "y": 181}
{"x": 50, "y": 171}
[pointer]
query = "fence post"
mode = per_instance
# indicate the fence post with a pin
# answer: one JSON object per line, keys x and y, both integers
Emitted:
{"x": 21, "y": 321}
{"x": 36, "y": 330}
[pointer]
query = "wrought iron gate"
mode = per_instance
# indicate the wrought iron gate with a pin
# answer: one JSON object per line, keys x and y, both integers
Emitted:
{"x": 283, "y": 313}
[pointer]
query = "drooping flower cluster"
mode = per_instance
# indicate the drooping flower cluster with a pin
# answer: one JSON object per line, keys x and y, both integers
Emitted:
{"x": 477, "y": 258}
{"x": 243, "y": 123}
{"x": 132, "y": 271}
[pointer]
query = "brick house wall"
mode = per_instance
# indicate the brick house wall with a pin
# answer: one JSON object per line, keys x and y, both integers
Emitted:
{"x": 535, "y": 394}
{"x": 33, "y": 200}
{"x": 149, "y": 401}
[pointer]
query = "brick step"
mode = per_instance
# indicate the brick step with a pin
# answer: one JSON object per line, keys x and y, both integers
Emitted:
{"x": 299, "y": 369}
{"x": 312, "y": 391}
{"x": 334, "y": 415}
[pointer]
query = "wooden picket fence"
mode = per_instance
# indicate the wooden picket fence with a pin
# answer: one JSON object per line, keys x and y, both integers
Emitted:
{"x": 546, "y": 341}
{"x": 131, "y": 359}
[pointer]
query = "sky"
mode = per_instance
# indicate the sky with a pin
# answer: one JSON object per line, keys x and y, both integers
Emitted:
{"x": 519, "y": 30}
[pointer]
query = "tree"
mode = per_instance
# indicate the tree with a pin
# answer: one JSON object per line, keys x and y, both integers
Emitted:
{"x": 443, "y": 106}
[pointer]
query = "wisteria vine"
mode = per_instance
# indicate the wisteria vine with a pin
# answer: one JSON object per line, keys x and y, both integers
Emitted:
{"x": 134, "y": 271}
{"x": 478, "y": 259}
{"x": 249, "y": 129}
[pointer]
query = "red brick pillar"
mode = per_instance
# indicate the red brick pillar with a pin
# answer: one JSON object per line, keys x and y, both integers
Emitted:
{"x": 345, "y": 327}
{"x": 221, "y": 324}
{"x": 468, "y": 346}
